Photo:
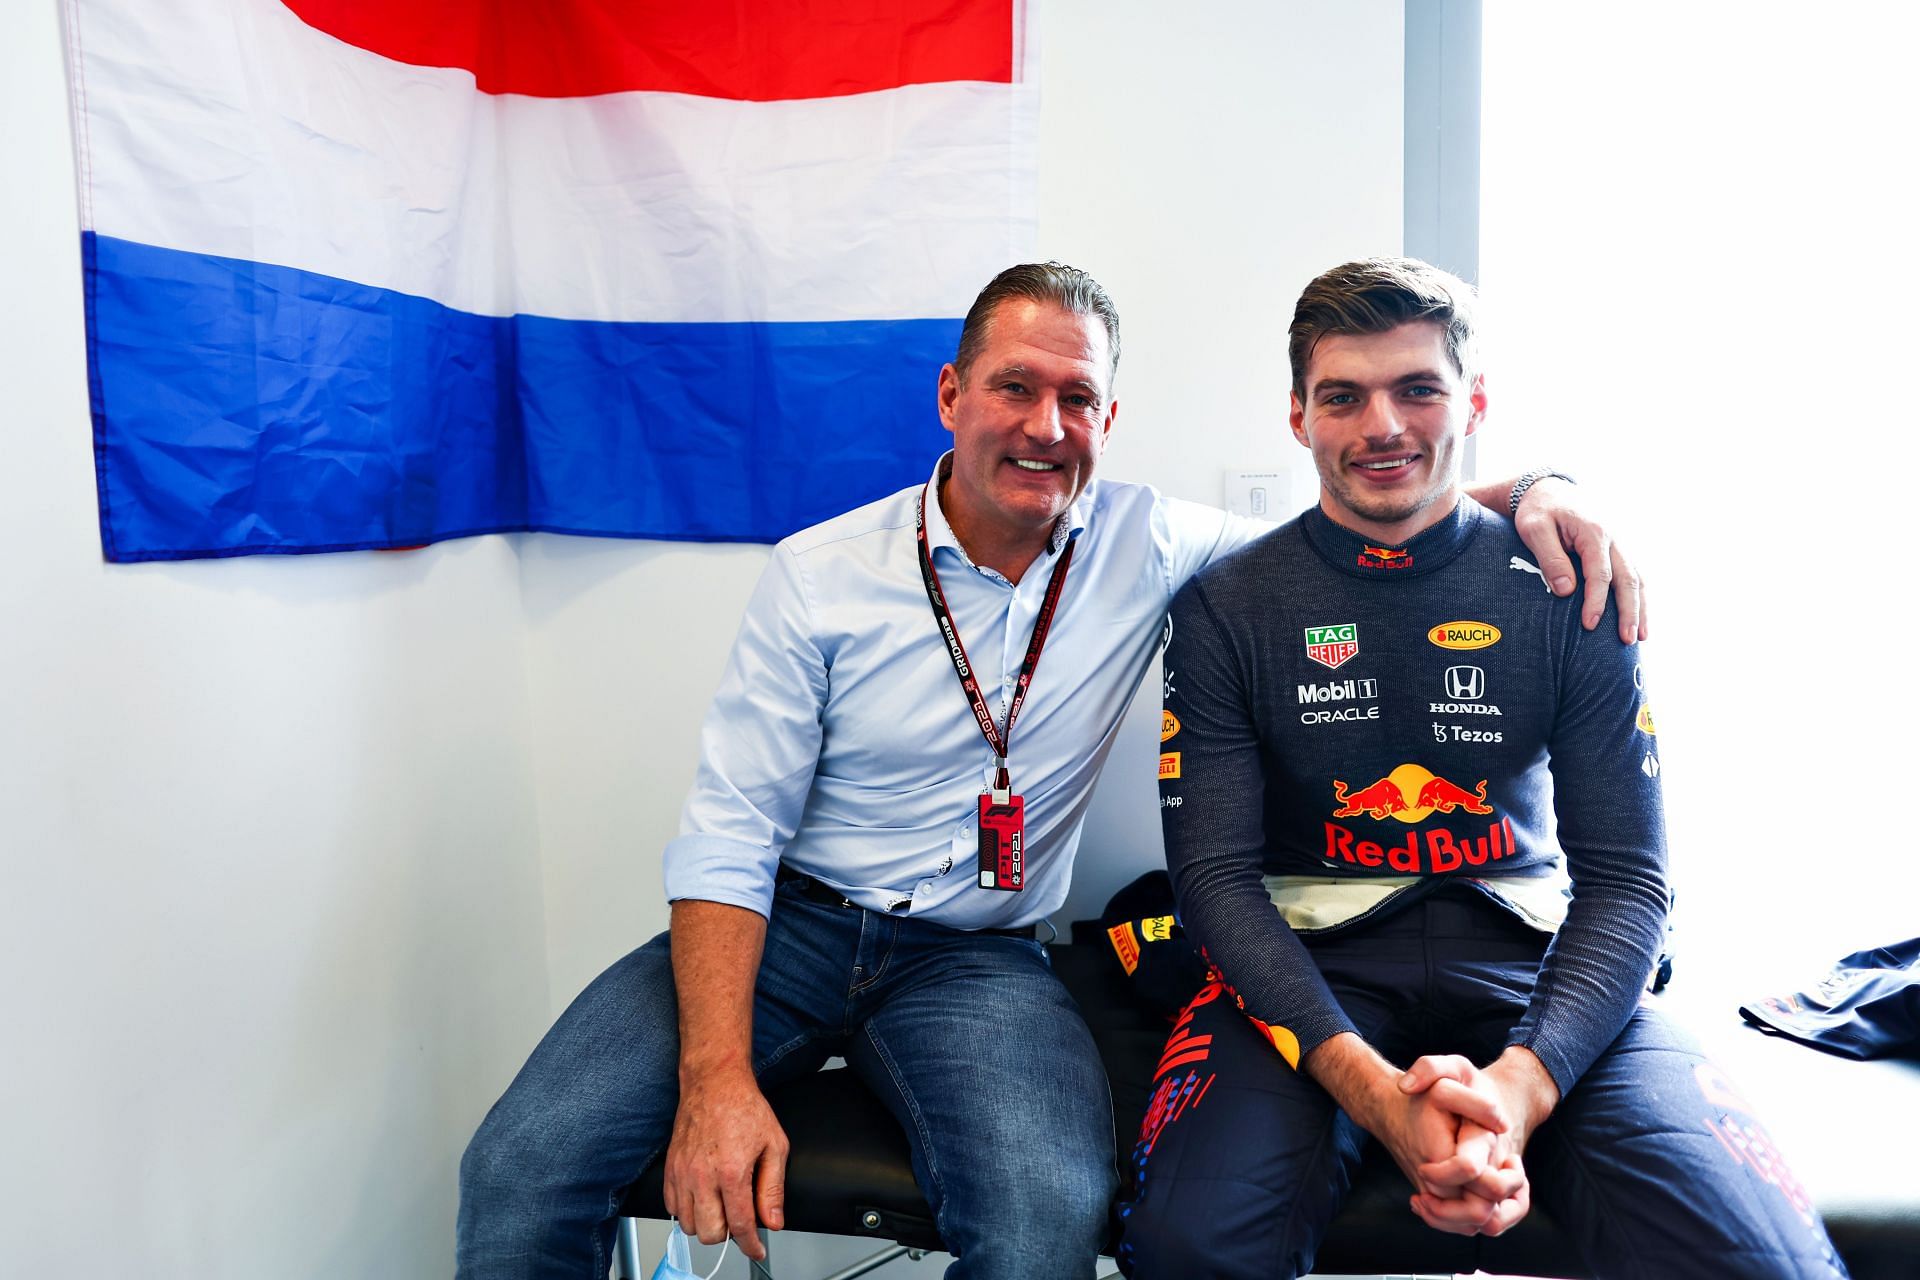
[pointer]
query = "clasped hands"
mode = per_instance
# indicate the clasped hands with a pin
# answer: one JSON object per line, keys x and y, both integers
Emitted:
{"x": 1458, "y": 1133}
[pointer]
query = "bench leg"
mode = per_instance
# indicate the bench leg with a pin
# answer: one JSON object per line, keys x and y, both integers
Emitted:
{"x": 626, "y": 1251}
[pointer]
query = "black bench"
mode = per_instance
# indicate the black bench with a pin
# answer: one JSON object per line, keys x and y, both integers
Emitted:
{"x": 1848, "y": 1126}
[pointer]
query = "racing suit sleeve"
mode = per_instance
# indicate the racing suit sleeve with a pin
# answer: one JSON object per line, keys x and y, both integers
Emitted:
{"x": 1212, "y": 805}
{"x": 759, "y": 746}
{"x": 1607, "y": 806}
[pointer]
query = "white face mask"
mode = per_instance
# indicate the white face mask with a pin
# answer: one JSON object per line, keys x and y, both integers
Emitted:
{"x": 678, "y": 1262}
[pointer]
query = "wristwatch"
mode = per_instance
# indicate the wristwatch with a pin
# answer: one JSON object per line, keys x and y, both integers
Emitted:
{"x": 1527, "y": 482}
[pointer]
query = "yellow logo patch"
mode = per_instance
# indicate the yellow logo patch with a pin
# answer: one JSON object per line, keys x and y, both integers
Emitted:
{"x": 1284, "y": 1040}
{"x": 1126, "y": 946}
{"x": 1644, "y": 721}
{"x": 1157, "y": 928}
{"x": 1169, "y": 765}
{"x": 1465, "y": 635}
{"x": 1169, "y": 725}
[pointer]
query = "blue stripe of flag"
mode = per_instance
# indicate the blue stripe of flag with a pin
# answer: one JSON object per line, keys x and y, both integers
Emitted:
{"x": 241, "y": 408}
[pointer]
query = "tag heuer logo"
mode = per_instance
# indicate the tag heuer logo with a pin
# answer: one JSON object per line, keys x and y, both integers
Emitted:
{"x": 1331, "y": 646}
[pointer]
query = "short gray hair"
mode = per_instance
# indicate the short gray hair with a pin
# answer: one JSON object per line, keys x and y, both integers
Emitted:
{"x": 1068, "y": 288}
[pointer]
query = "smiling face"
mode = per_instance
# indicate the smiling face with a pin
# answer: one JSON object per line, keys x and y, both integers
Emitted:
{"x": 1386, "y": 416}
{"x": 1030, "y": 417}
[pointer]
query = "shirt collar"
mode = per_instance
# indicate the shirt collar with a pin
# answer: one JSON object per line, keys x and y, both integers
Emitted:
{"x": 1363, "y": 557}
{"x": 940, "y": 533}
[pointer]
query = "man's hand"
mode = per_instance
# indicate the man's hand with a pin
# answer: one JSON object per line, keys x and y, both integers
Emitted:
{"x": 727, "y": 1163}
{"x": 1551, "y": 526}
{"x": 1485, "y": 1161}
{"x": 728, "y": 1155}
{"x": 1420, "y": 1130}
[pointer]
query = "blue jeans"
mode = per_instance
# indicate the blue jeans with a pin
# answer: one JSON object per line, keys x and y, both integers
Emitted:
{"x": 968, "y": 1038}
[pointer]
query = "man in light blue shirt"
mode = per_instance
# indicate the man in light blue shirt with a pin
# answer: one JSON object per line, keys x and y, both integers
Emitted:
{"x": 829, "y": 884}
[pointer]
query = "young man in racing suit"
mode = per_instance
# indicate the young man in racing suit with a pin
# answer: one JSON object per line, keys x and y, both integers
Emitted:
{"x": 1412, "y": 813}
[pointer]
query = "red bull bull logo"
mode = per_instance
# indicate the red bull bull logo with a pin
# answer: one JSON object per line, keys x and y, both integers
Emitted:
{"x": 1410, "y": 794}
{"x": 1371, "y": 557}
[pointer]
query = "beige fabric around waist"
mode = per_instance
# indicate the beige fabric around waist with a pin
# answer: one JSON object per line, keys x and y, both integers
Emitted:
{"x": 1310, "y": 904}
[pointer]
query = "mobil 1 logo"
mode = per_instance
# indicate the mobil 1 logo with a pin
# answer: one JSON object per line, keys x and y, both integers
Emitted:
{"x": 1338, "y": 701}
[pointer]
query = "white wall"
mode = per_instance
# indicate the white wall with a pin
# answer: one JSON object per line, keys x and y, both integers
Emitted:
{"x": 272, "y": 903}
{"x": 301, "y": 855}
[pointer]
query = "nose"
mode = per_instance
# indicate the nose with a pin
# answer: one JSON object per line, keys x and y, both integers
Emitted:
{"x": 1381, "y": 422}
{"x": 1042, "y": 423}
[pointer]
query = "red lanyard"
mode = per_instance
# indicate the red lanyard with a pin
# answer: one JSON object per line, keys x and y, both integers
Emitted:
{"x": 997, "y": 738}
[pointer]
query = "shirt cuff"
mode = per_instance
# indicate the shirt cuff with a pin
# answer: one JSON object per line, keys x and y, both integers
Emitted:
{"x": 717, "y": 869}
{"x": 1565, "y": 1068}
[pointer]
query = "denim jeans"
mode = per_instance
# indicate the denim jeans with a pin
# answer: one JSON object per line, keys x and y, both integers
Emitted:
{"x": 968, "y": 1038}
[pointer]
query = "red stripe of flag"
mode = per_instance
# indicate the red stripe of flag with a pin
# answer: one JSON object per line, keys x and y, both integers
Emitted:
{"x": 762, "y": 52}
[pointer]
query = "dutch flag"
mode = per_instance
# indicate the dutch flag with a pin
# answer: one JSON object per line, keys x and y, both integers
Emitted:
{"x": 364, "y": 275}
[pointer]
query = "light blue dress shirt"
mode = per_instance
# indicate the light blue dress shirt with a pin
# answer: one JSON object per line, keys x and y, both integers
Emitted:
{"x": 840, "y": 742}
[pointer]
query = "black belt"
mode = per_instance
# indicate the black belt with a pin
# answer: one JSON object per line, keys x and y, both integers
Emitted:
{"x": 828, "y": 896}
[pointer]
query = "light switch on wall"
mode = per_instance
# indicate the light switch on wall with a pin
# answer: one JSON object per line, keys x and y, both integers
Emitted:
{"x": 1271, "y": 493}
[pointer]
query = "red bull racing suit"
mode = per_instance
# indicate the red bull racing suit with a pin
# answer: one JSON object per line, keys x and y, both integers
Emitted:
{"x": 1406, "y": 794}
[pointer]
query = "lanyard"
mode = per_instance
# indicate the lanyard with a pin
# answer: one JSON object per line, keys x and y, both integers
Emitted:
{"x": 996, "y": 737}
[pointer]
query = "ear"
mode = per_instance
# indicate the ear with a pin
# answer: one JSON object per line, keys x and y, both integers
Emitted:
{"x": 1478, "y": 399}
{"x": 948, "y": 394}
{"x": 1297, "y": 418}
{"x": 1106, "y": 426}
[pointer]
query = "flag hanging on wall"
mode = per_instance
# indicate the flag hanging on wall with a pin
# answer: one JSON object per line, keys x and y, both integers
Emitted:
{"x": 373, "y": 275}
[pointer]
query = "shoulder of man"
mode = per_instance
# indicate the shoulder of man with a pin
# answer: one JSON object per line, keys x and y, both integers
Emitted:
{"x": 882, "y": 516}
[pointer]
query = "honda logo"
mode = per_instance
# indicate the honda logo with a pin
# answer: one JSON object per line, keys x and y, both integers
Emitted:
{"x": 1466, "y": 684}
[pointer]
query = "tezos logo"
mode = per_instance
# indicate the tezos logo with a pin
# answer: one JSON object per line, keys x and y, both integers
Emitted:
{"x": 1465, "y": 635}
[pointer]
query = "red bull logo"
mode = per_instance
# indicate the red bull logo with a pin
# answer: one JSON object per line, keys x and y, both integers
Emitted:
{"x": 1410, "y": 794}
{"x": 1384, "y": 558}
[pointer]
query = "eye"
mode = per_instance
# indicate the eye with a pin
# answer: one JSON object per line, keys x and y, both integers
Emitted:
{"x": 1081, "y": 401}
{"x": 1341, "y": 398}
{"x": 1420, "y": 391}
{"x": 1014, "y": 388}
